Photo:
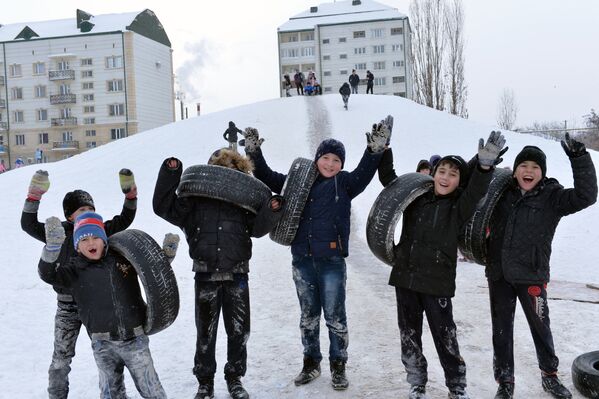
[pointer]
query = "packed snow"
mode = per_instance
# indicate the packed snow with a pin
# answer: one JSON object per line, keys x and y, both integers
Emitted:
{"x": 292, "y": 127}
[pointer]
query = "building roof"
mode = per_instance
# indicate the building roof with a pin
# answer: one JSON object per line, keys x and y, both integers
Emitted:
{"x": 145, "y": 23}
{"x": 341, "y": 12}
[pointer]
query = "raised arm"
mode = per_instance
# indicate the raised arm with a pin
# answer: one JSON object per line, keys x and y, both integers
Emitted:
{"x": 252, "y": 142}
{"x": 39, "y": 184}
{"x": 48, "y": 268}
{"x": 165, "y": 202}
{"x": 124, "y": 220}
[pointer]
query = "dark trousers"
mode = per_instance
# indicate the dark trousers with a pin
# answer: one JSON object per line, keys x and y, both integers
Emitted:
{"x": 369, "y": 87}
{"x": 345, "y": 100}
{"x": 533, "y": 299}
{"x": 300, "y": 88}
{"x": 439, "y": 314}
{"x": 354, "y": 89}
{"x": 234, "y": 299}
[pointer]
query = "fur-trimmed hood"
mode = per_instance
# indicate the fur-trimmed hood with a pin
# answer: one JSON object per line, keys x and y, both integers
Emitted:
{"x": 231, "y": 159}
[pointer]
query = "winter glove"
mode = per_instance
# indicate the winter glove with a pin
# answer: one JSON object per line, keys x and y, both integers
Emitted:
{"x": 252, "y": 140}
{"x": 38, "y": 186}
{"x": 55, "y": 234}
{"x": 573, "y": 148}
{"x": 276, "y": 203}
{"x": 489, "y": 153}
{"x": 170, "y": 245}
{"x": 127, "y": 181}
{"x": 378, "y": 138}
{"x": 172, "y": 163}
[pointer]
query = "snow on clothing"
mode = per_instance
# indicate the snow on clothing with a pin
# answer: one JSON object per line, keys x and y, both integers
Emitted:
{"x": 67, "y": 320}
{"x": 320, "y": 244}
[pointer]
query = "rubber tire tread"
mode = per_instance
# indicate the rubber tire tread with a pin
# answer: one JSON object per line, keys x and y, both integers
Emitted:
{"x": 585, "y": 374}
{"x": 472, "y": 240}
{"x": 226, "y": 184}
{"x": 388, "y": 208}
{"x": 296, "y": 189}
{"x": 155, "y": 273}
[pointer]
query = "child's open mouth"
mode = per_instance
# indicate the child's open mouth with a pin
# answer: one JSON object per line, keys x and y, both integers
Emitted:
{"x": 93, "y": 251}
{"x": 528, "y": 179}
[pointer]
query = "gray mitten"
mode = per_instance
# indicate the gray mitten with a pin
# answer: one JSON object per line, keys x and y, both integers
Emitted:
{"x": 170, "y": 245}
{"x": 252, "y": 140}
{"x": 378, "y": 138}
{"x": 55, "y": 237}
{"x": 489, "y": 153}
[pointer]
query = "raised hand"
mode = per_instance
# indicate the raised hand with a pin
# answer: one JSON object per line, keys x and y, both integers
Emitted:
{"x": 573, "y": 148}
{"x": 252, "y": 140}
{"x": 489, "y": 153}
{"x": 55, "y": 234}
{"x": 127, "y": 182}
{"x": 40, "y": 183}
{"x": 378, "y": 138}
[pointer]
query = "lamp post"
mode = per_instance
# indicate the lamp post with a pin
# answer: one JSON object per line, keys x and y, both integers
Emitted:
{"x": 181, "y": 97}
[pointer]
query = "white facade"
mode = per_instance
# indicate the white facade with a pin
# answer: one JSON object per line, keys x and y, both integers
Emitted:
{"x": 332, "y": 39}
{"x": 66, "y": 90}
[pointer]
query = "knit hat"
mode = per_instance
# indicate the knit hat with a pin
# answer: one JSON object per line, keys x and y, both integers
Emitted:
{"x": 89, "y": 224}
{"x": 74, "y": 200}
{"x": 459, "y": 162}
{"x": 423, "y": 164}
{"x": 331, "y": 146}
{"x": 434, "y": 159}
{"x": 532, "y": 153}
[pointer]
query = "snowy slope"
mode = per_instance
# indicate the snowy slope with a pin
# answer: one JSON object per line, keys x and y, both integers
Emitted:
{"x": 292, "y": 127}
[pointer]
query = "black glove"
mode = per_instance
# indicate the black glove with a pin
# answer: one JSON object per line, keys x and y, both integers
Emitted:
{"x": 172, "y": 163}
{"x": 573, "y": 148}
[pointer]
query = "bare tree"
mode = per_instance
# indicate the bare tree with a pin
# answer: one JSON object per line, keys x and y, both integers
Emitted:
{"x": 592, "y": 119}
{"x": 454, "y": 31}
{"x": 507, "y": 110}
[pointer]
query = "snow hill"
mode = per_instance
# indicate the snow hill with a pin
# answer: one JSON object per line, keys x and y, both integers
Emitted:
{"x": 292, "y": 127}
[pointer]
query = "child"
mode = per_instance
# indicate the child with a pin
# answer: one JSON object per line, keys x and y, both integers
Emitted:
{"x": 231, "y": 135}
{"x": 219, "y": 237}
{"x": 424, "y": 167}
{"x": 424, "y": 269}
{"x": 521, "y": 231}
{"x": 107, "y": 292}
{"x": 321, "y": 244}
{"x": 67, "y": 322}
{"x": 345, "y": 92}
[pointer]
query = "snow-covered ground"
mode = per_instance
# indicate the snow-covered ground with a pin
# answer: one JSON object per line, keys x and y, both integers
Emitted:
{"x": 292, "y": 127}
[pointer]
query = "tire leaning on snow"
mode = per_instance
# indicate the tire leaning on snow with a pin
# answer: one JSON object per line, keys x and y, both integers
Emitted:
{"x": 388, "y": 208}
{"x": 585, "y": 374}
{"x": 156, "y": 276}
{"x": 472, "y": 241}
{"x": 226, "y": 184}
{"x": 296, "y": 190}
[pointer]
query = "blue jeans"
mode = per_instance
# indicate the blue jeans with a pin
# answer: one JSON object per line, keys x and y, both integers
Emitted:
{"x": 320, "y": 285}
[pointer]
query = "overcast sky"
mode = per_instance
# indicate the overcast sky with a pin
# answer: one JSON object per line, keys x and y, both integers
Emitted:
{"x": 225, "y": 51}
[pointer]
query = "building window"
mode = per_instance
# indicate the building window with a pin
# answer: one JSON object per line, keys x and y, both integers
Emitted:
{"x": 342, "y": 56}
{"x": 327, "y": 73}
{"x": 289, "y": 38}
{"x": 377, "y": 33}
{"x": 18, "y": 117}
{"x": 43, "y": 138}
{"x": 396, "y": 47}
{"x": 379, "y": 65}
{"x": 14, "y": 70}
{"x": 359, "y": 34}
{"x": 16, "y": 93}
{"x": 116, "y": 109}
{"x": 40, "y": 91}
{"x": 342, "y": 40}
{"x": 90, "y": 144}
{"x": 306, "y": 36}
{"x": 87, "y": 85}
{"x": 115, "y": 85}
{"x": 64, "y": 89}
{"x": 87, "y": 74}
{"x": 325, "y": 41}
{"x": 42, "y": 114}
{"x": 380, "y": 81}
{"x": 290, "y": 53}
{"x": 115, "y": 61}
{"x": 326, "y": 57}
{"x": 116, "y": 134}
{"x": 396, "y": 31}
{"x": 65, "y": 113}
{"x": 360, "y": 50}
{"x": 88, "y": 97}
{"x": 63, "y": 65}
{"x": 20, "y": 139}
{"x": 399, "y": 79}
{"x": 88, "y": 109}
{"x": 398, "y": 64}
{"x": 39, "y": 68}
{"x": 86, "y": 61}
{"x": 89, "y": 121}
{"x": 67, "y": 136}
{"x": 379, "y": 49}
{"x": 90, "y": 133}
{"x": 343, "y": 72}
{"x": 307, "y": 51}
{"x": 360, "y": 66}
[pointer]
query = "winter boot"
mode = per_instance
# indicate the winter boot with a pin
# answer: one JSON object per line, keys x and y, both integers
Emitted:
{"x": 417, "y": 392}
{"x": 554, "y": 386}
{"x": 310, "y": 371}
{"x": 235, "y": 387}
{"x": 205, "y": 389}
{"x": 457, "y": 393}
{"x": 505, "y": 390}
{"x": 338, "y": 379}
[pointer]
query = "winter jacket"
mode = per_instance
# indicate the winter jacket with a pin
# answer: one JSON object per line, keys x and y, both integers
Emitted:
{"x": 106, "y": 291}
{"x": 523, "y": 225}
{"x": 218, "y": 233}
{"x": 298, "y": 78}
{"x": 354, "y": 79}
{"x": 30, "y": 225}
{"x": 344, "y": 90}
{"x": 231, "y": 134}
{"x": 370, "y": 78}
{"x": 325, "y": 221}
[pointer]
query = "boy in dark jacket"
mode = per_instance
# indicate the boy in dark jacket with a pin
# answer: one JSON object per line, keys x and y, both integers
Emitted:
{"x": 67, "y": 320}
{"x": 321, "y": 243}
{"x": 219, "y": 237}
{"x": 370, "y": 82}
{"x": 110, "y": 304}
{"x": 521, "y": 232}
{"x": 345, "y": 92}
{"x": 231, "y": 135}
{"x": 424, "y": 269}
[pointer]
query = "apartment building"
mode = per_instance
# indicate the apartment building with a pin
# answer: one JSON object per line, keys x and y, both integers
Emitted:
{"x": 70, "y": 85}
{"x": 331, "y": 39}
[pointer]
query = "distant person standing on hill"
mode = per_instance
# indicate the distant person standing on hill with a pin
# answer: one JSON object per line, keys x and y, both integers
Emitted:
{"x": 354, "y": 81}
{"x": 287, "y": 84}
{"x": 231, "y": 135}
{"x": 298, "y": 79}
{"x": 370, "y": 83}
{"x": 345, "y": 92}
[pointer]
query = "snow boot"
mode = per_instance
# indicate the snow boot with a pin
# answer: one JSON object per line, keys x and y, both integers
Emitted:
{"x": 236, "y": 389}
{"x": 554, "y": 386}
{"x": 338, "y": 379}
{"x": 205, "y": 389}
{"x": 457, "y": 393}
{"x": 310, "y": 371}
{"x": 417, "y": 392}
{"x": 505, "y": 390}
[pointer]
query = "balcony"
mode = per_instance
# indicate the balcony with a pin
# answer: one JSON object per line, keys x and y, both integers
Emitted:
{"x": 64, "y": 74}
{"x": 2, "y": 103}
{"x": 63, "y": 99}
{"x": 64, "y": 121}
{"x": 65, "y": 145}
{"x": 3, "y": 125}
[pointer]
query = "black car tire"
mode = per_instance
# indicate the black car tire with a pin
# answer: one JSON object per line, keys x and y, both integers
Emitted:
{"x": 585, "y": 374}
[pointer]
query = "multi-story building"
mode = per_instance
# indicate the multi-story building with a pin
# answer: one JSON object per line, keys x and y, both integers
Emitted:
{"x": 332, "y": 39}
{"x": 70, "y": 85}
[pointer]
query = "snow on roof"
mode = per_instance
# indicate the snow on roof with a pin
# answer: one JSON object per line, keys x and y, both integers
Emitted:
{"x": 68, "y": 27}
{"x": 341, "y": 12}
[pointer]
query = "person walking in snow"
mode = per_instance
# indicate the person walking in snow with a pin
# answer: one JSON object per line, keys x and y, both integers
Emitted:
{"x": 298, "y": 79}
{"x": 287, "y": 85}
{"x": 321, "y": 244}
{"x": 231, "y": 135}
{"x": 67, "y": 321}
{"x": 370, "y": 82}
{"x": 424, "y": 268}
{"x": 219, "y": 237}
{"x": 106, "y": 288}
{"x": 519, "y": 248}
{"x": 345, "y": 92}
{"x": 354, "y": 81}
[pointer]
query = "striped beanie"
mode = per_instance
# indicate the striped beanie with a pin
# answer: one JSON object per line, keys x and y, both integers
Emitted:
{"x": 89, "y": 224}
